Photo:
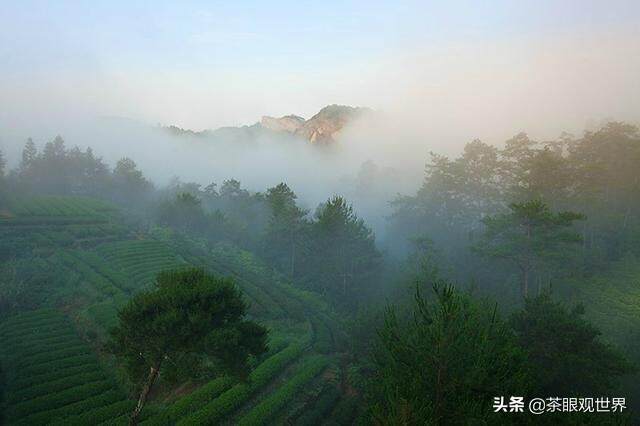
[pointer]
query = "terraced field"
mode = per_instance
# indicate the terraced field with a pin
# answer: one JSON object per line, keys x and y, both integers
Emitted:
{"x": 44, "y": 224}
{"x": 139, "y": 260}
{"x": 52, "y": 376}
{"x": 60, "y": 206}
{"x": 88, "y": 265}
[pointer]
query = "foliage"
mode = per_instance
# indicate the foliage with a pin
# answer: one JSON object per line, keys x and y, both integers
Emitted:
{"x": 97, "y": 415}
{"x": 189, "y": 323}
{"x": 343, "y": 261}
{"x": 53, "y": 373}
{"x": 565, "y": 350}
{"x": 286, "y": 228}
{"x": 191, "y": 402}
{"x": 318, "y": 411}
{"x": 530, "y": 237}
{"x": 185, "y": 212}
{"x": 267, "y": 409}
{"x": 230, "y": 400}
{"x": 444, "y": 365}
{"x": 129, "y": 185}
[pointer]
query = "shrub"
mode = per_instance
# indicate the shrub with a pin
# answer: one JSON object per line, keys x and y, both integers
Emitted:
{"x": 55, "y": 400}
{"x": 97, "y": 415}
{"x": 268, "y": 408}
{"x": 58, "y": 364}
{"x": 27, "y": 381}
{"x": 81, "y": 406}
{"x": 234, "y": 397}
{"x": 55, "y": 386}
{"x": 191, "y": 402}
{"x": 323, "y": 405}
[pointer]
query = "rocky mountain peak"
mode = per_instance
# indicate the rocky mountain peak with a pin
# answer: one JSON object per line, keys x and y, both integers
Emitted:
{"x": 288, "y": 123}
{"x": 325, "y": 126}
{"x": 322, "y": 128}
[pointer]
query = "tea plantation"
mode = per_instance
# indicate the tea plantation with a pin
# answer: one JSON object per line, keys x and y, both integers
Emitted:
{"x": 80, "y": 262}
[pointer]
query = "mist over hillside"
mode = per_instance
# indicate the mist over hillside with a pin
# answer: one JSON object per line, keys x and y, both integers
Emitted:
{"x": 369, "y": 157}
{"x": 359, "y": 164}
{"x": 320, "y": 214}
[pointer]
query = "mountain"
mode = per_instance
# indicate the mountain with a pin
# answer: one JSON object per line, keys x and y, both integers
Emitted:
{"x": 288, "y": 123}
{"x": 325, "y": 126}
{"x": 322, "y": 128}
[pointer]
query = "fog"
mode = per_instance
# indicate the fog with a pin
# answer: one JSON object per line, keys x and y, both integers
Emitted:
{"x": 435, "y": 98}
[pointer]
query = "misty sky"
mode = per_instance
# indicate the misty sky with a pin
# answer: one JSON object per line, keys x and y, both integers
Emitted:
{"x": 460, "y": 69}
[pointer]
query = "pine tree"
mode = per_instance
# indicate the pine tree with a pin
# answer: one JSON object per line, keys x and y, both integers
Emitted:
{"x": 188, "y": 323}
{"x": 285, "y": 227}
{"x": 528, "y": 236}
{"x": 29, "y": 156}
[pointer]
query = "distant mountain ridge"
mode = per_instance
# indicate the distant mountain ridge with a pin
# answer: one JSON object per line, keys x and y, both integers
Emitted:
{"x": 323, "y": 128}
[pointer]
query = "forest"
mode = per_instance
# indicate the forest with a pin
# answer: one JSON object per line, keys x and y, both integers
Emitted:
{"x": 511, "y": 275}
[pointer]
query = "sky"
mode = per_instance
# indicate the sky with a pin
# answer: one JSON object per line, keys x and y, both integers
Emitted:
{"x": 459, "y": 69}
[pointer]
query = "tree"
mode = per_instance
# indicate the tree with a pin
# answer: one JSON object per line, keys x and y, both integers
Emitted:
{"x": 565, "y": 351}
{"x": 545, "y": 175}
{"x": 190, "y": 320}
{"x": 184, "y": 212}
{"x": 444, "y": 364}
{"x": 343, "y": 256}
{"x": 3, "y": 189}
{"x": 449, "y": 206}
{"x": 29, "y": 156}
{"x": 130, "y": 186}
{"x": 606, "y": 186}
{"x": 232, "y": 189}
{"x": 284, "y": 228}
{"x": 246, "y": 212}
{"x": 210, "y": 190}
{"x": 529, "y": 236}
{"x": 3, "y": 164}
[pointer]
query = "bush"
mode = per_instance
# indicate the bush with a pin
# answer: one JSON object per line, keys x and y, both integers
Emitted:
{"x": 45, "y": 388}
{"x": 27, "y": 381}
{"x": 53, "y": 355}
{"x": 268, "y": 408}
{"x": 55, "y": 400}
{"x": 344, "y": 412}
{"x": 191, "y": 402}
{"x": 51, "y": 366}
{"x": 98, "y": 415}
{"x": 81, "y": 406}
{"x": 234, "y": 397}
{"x": 320, "y": 408}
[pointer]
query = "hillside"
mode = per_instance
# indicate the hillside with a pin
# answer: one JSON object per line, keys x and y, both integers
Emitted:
{"x": 78, "y": 262}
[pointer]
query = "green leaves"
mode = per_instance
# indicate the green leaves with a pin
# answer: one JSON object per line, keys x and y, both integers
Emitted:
{"x": 530, "y": 237}
{"x": 263, "y": 412}
{"x": 443, "y": 364}
{"x": 188, "y": 313}
{"x": 565, "y": 350}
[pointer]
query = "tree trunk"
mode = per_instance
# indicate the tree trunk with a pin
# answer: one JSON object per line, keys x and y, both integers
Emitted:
{"x": 153, "y": 374}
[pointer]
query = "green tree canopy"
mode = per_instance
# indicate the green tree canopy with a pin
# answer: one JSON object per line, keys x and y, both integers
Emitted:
{"x": 529, "y": 236}
{"x": 446, "y": 363}
{"x": 129, "y": 184}
{"x": 3, "y": 164}
{"x": 343, "y": 260}
{"x": 185, "y": 212}
{"x": 284, "y": 231}
{"x": 565, "y": 350}
{"x": 190, "y": 322}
